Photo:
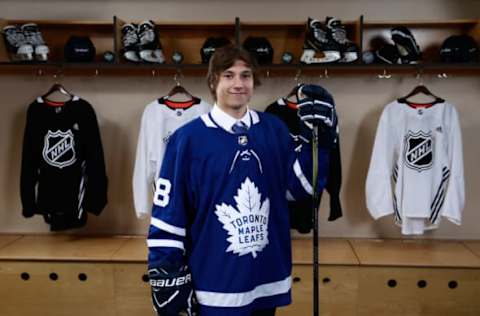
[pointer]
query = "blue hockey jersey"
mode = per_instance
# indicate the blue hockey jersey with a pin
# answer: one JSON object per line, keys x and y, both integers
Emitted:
{"x": 221, "y": 205}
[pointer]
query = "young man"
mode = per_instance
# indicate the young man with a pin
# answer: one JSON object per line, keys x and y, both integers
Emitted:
{"x": 220, "y": 223}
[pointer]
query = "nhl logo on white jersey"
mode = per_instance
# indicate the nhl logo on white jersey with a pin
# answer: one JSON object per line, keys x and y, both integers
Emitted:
{"x": 419, "y": 150}
{"x": 58, "y": 149}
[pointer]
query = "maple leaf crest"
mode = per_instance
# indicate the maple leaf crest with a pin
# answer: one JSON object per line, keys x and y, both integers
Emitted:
{"x": 247, "y": 225}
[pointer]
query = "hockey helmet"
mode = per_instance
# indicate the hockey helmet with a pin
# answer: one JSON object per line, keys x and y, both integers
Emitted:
{"x": 387, "y": 54}
{"x": 208, "y": 48}
{"x": 459, "y": 49}
{"x": 259, "y": 47}
{"x": 79, "y": 49}
{"x": 406, "y": 44}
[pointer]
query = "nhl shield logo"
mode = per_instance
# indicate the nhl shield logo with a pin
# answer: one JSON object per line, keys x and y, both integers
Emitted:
{"x": 419, "y": 150}
{"x": 58, "y": 149}
{"x": 243, "y": 140}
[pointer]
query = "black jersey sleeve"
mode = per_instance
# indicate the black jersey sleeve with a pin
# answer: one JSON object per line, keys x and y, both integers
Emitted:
{"x": 334, "y": 182}
{"x": 96, "y": 177}
{"x": 30, "y": 166}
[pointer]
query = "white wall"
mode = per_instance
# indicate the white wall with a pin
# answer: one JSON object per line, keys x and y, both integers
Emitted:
{"x": 119, "y": 102}
{"x": 249, "y": 10}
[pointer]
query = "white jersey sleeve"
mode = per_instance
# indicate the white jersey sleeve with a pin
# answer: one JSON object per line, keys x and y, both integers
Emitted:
{"x": 379, "y": 195}
{"x": 145, "y": 166}
{"x": 455, "y": 195}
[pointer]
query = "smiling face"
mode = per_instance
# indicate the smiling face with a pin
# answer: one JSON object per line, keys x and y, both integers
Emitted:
{"x": 235, "y": 88}
{"x": 232, "y": 77}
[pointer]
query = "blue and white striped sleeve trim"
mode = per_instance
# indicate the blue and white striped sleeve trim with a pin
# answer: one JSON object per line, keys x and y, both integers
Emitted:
{"x": 153, "y": 243}
{"x": 167, "y": 227}
{"x": 301, "y": 177}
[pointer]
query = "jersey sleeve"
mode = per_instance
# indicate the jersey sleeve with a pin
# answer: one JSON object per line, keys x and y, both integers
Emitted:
{"x": 97, "y": 182}
{"x": 378, "y": 188}
{"x": 30, "y": 166}
{"x": 171, "y": 204}
{"x": 455, "y": 196}
{"x": 300, "y": 170}
{"x": 334, "y": 182}
{"x": 144, "y": 169}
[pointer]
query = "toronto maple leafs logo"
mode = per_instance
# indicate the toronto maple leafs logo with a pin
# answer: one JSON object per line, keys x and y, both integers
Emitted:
{"x": 247, "y": 225}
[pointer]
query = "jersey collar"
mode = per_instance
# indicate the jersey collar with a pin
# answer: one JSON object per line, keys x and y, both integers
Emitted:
{"x": 226, "y": 121}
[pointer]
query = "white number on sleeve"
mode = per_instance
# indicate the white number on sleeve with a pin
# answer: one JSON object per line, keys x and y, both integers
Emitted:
{"x": 162, "y": 192}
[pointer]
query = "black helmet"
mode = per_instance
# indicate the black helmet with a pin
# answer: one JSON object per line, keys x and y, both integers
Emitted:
{"x": 459, "y": 49}
{"x": 261, "y": 48}
{"x": 387, "y": 54}
{"x": 210, "y": 45}
{"x": 79, "y": 49}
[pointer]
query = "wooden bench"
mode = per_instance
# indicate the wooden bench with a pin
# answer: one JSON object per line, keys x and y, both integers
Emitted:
{"x": 417, "y": 277}
{"x": 72, "y": 275}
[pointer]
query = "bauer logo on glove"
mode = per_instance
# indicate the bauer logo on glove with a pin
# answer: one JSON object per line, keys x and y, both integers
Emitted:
{"x": 172, "y": 291}
{"x": 169, "y": 282}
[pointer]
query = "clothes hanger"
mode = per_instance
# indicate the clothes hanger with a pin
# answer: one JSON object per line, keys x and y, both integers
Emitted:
{"x": 292, "y": 96}
{"x": 179, "y": 89}
{"x": 57, "y": 87}
{"x": 420, "y": 88}
{"x": 293, "y": 92}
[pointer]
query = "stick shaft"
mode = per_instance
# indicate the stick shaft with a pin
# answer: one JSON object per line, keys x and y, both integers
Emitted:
{"x": 316, "y": 307}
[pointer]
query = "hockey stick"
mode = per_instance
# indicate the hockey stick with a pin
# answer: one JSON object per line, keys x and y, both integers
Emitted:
{"x": 316, "y": 307}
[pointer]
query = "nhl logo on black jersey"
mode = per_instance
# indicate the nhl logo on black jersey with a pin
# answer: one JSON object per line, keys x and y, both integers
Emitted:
{"x": 419, "y": 150}
{"x": 58, "y": 149}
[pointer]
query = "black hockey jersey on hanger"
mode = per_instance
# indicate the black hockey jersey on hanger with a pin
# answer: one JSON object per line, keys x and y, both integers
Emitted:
{"x": 63, "y": 170}
{"x": 300, "y": 212}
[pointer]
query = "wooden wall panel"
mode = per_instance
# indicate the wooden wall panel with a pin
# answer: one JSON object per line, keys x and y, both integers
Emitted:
{"x": 68, "y": 295}
{"x": 132, "y": 293}
{"x": 376, "y": 297}
{"x": 338, "y": 291}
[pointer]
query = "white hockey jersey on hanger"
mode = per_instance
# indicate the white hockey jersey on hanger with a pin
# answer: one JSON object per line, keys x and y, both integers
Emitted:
{"x": 416, "y": 169}
{"x": 160, "y": 119}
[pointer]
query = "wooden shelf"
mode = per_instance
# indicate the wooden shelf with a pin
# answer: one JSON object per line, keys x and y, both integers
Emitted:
{"x": 5, "y": 240}
{"x": 474, "y": 246}
{"x": 188, "y": 38}
{"x": 62, "y": 248}
{"x": 143, "y": 69}
{"x": 134, "y": 250}
{"x": 332, "y": 252}
{"x": 414, "y": 253}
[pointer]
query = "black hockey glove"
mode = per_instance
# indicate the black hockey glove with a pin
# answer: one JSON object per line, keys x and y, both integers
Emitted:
{"x": 315, "y": 105}
{"x": 172, "y": 291}
{"x": 316, "y": 112}
{"x": 317, "y": 108}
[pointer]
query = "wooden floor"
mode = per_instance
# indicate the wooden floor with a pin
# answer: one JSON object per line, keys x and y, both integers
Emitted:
{"x": 69, "y": 275}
